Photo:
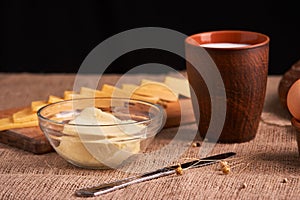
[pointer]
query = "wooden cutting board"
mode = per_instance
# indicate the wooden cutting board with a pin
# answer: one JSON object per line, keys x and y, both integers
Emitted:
{"x": 33, "y": 140}
{"x": 29, "y": 139}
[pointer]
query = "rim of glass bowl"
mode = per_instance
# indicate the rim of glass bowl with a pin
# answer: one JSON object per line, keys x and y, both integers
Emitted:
{"x": 157, "y": 106}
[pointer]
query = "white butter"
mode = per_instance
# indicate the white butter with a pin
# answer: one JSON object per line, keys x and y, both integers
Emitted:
{"x": 99, "y": 146}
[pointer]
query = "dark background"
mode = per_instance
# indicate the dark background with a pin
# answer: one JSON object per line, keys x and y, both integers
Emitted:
{"x": 43, "y": 36}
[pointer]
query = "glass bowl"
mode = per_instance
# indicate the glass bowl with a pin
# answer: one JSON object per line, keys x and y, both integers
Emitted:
{"x": 100, "y": 133}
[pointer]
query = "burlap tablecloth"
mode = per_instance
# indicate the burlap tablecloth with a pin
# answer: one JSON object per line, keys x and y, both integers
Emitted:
{"x": 258, "y": 170}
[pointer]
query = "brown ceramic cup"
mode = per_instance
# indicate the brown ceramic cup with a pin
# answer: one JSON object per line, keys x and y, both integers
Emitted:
{"x": 242, "y": 63}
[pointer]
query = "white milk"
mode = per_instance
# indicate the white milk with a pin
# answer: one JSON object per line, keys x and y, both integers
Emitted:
{"x": 223, "y": 45}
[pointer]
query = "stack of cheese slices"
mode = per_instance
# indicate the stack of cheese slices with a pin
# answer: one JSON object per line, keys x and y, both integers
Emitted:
{"x": 166, "y": 93}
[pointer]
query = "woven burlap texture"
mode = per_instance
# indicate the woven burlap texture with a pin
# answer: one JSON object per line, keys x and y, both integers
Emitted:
{"x": 267, "y": 167}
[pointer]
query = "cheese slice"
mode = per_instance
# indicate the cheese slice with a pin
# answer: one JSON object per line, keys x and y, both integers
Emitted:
{"x": 178, "y": 85}
{"x": 68, "y": 94}
{"x": 93, "y": 93}
{"x": 143, "y": 81}
{"x": 75, "y": 96}
{"x": 148, "y": 99}
{"x": 115, "y": 91}
{"x": 54, "y": 99}
{"x": 25, "y": 115}
{"x": 129, "y": 87}
{"x": 8, "y": 123}
{"x": 156, "y": 89}
{"x": 121, "y": 93}
{"x": 36, "y": 105}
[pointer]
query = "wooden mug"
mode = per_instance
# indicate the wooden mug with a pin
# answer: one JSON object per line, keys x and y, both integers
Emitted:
{"x": 242, "y": 58}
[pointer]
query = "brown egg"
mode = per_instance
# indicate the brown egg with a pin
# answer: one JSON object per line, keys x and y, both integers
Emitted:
{"x": 293, "y": 99}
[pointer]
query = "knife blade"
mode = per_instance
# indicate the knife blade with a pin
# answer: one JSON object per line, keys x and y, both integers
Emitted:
{"x": 112, "y": 186}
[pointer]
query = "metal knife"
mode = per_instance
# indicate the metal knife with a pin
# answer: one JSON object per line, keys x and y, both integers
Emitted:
{"x": 112, "y": 186}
